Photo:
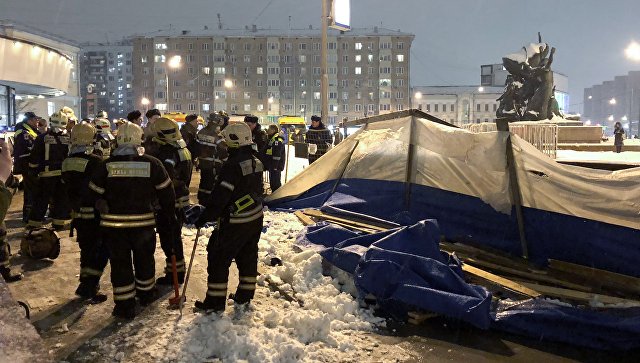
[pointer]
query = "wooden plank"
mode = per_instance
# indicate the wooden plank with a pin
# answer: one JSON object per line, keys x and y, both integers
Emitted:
{"x": 509, "y": 284}
{"x": 318, "y": 214}
{"x": 579, "y": 295}
{"x": 607, "y": 279}
{"x": 349, "y": 226}
{"x": 528, "y": 275}
{"x": 488, "y": 255}
{"x": 306, "y": 220}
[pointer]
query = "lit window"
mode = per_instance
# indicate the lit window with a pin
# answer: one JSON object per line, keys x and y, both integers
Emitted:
{"x": 358, "y": 70}
{"x": 400, "y": 57}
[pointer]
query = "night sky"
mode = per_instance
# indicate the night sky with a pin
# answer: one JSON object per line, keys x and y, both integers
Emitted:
{"x": 453, "y": 37}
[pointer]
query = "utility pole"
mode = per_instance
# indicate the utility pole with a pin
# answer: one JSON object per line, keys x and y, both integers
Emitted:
{"x": 324, "y": 81}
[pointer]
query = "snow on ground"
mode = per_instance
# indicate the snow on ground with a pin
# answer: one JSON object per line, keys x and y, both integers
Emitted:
{"x": 329, "y": 327}
{"x": 625, "y": 156}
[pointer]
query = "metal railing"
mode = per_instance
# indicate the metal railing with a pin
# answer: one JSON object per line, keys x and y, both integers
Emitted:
{"x": 542, "y": 135}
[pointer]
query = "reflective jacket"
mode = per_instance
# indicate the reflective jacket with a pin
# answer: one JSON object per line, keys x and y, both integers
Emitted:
{"x": 274, "y": 155}
{"x": 238, "y": 189}
{"x": 176, "y": 159}
{"x": 104, "y": 145}
{"x": 212, "y": 150}
{"x": 131, "y": 185}
{"x": 49, "y": 151}
{"x": 77, "y": 170}
{"x": 24, "y": 137}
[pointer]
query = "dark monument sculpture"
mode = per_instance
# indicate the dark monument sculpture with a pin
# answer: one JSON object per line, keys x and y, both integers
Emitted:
{"x": 529, "y": 90}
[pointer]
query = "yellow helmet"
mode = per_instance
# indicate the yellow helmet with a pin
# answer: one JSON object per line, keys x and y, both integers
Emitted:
{"x": 102, "y": 124}
{"x": 129, "y": 134}
{"x": 82, "y": 134}
{"x": 167, "y": 129}
{"x": 58, "y": 120}
{"x": 237, "y": 134}
{"x": 69, "y": 112}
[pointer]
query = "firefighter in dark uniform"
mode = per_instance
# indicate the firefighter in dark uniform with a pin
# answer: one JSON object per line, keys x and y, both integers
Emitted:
{"x": 274, "y": 157}
{"x": 105, "y": 142}
{"x": 212, "y": 152}
{"x": 176, "y": 158}
{"x": 49, "y": 151}
{"x": 77, "y": 170}
{"x": 7, "y": 185}
{"x": 257, "y": 133}
{"x": 238, "y": 208}
{"x": 125, "y": 188}
{"x": 25, "y": 134}
{"x": 189, "y": 131}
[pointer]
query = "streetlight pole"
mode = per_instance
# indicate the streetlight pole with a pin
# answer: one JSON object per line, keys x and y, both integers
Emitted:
{"x": 324, "y": 81}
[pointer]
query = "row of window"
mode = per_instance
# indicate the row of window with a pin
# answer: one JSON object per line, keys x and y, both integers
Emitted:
{"x": 287, "y": 108}
{"x": 277, "y": 46}
{"x": 287, "y": 95}
{"x": 287, "y": 59}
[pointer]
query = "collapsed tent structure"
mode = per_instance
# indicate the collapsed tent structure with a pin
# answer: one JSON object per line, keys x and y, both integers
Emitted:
{"x": 408, "y": 166}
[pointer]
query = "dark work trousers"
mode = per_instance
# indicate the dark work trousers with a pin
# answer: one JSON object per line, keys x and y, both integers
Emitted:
{"x": 50, "y": 189}
{"x": 207, "y": 181}
{"x": 29, "y": 183}
{"x": 171, "y": 240}
{"x": 94, "y": 255}
{"x": 4, "y": 247}
{"x": 239, "y": 241}
{"x": 274, "y": 179}
{"x": 122, "y": 243}
{"x": 618, "y": 148}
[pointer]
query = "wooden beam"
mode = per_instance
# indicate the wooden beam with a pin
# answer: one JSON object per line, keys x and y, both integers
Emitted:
{"x": 306, "y": 220}
{"x": 498, "y": 257}
{"x": 318, "y": 214}
{"x": 504, "y": 282}
{"x": 528, "y": 275}
{"x": 606, "y": 279}
{"x": 579, "y": 295}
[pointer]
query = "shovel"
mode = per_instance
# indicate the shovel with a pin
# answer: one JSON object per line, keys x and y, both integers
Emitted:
{"x": 183, "y": 298}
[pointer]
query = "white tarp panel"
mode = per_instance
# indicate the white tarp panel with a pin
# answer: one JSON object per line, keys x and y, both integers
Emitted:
{"x": 608, "y": 196}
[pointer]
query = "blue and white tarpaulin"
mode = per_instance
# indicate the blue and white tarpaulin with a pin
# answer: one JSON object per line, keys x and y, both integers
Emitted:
{"x": 409, "y": 170}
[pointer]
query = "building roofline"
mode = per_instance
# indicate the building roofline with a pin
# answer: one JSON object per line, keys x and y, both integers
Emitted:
{"x": 12, "y": 24}
{"x": 265, "y": 32}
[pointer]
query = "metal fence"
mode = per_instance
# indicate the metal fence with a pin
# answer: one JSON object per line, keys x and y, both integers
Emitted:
{"x": 542, "y": 135}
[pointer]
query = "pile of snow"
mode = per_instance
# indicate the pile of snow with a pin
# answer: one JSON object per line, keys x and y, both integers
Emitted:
{"x": 330, "y": 326}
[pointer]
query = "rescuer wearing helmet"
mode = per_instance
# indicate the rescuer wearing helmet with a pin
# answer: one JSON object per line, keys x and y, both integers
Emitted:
{"x": 176, "y": 158}
{"x": 49, "y": 151}
{"x": 25, "y": 135}
{"x": 238, "y": 209}
{"x": 212, "y": 152}
{"x": 274, "y": 157}
{"x": 189, "y": 131}
{"x": 104, "y": 140}
{"x": 76, "y": 173}
{"x": 125, "y": 189}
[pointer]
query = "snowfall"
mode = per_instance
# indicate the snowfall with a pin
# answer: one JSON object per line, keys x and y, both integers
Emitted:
{"x": 322, "y": 323}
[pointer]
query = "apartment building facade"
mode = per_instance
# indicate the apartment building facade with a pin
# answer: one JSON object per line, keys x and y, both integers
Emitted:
{"x": 612, "y": 101}
{"x": 272, "y": 72}
{"x": 458, "y": 105}
{"x": 106, "y": 79}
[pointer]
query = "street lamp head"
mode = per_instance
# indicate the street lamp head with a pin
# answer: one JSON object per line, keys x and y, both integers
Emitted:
{"x": 612, "y": 101}
{"x": 633, "y": 51}
{"x": 590, "y": 97}
{"x": 228, "y": 83}
{"x": 174, "y": 62}
{"x": 270, "y": 100}
{"x": 610, "y": 118}
{"x": 624, "y": 118}
{"x": 418, "y": 95}
{"x": 144, "y": 101}
{"x": 480, "y": 89}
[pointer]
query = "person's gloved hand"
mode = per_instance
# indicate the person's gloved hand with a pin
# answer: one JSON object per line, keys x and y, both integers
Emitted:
{"x": 192, "y": 213}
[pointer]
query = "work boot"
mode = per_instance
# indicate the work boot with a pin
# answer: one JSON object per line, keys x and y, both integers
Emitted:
{"x": 211, "y": 305}
{"x": 8, "y": 276}
{"x": 125, "y": 309}
{"x": 239, "y": 300}
{"x": 147, "y": 297}
{"x": 89, "y": 290}
{"x": 168, "y": 279}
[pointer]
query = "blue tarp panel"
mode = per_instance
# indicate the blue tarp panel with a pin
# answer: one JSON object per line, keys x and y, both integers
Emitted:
{"x": 469, "y": 219}
{"x": 404, "y": 269}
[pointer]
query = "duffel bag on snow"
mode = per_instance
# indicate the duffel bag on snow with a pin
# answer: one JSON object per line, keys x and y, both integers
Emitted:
{"x": 40, "y": 243}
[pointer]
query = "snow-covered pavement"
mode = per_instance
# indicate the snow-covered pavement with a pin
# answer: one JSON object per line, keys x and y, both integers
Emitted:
{"x": 329, "y": 327}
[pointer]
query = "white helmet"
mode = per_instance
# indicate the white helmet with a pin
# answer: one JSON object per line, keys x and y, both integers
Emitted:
{"x": 103, "y": 125}
{"x": 129, "y": 134}
{"x": 58, "y": 120}
{"x": 237, "y": 134}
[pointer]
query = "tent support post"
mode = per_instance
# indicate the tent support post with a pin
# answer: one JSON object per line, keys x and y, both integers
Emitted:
{"x": 514, "y": 186}
{"x": 410, "y": 157}
{"x": 335, "y": 185}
